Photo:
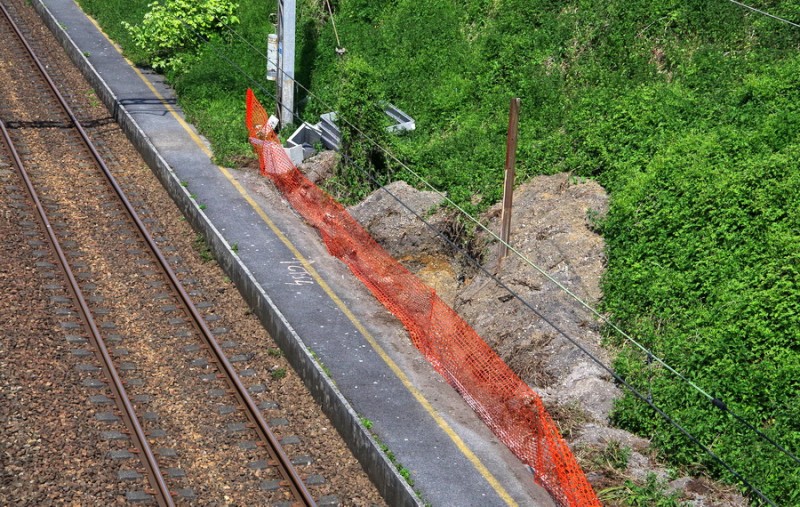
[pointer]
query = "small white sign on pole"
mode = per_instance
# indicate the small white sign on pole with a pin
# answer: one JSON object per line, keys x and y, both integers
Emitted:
{"x": 272, "y": 57}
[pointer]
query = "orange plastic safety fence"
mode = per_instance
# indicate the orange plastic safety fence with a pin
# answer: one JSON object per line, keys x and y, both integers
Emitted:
{"x": 505, "y": 403}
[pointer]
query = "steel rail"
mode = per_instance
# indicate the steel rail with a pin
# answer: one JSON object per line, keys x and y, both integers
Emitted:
{"x": 287, "y": 470}
{"x": 163, "y": 497}
{"x": 155, "y": 477}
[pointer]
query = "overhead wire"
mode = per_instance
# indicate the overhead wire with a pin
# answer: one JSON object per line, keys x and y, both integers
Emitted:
{"x": 651, "y": 357}
{"x": 647, "y": 399}
{"x": 765, "y": 13}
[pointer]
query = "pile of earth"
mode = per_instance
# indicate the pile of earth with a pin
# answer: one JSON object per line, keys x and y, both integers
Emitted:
{"x": 540, "y": 334}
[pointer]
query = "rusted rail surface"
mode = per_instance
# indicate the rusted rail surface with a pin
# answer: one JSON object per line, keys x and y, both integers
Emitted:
{"x": 164, "y": 497}
{"x": 124, "y": 404}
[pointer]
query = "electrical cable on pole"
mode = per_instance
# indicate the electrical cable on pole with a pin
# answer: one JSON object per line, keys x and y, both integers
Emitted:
{"x": 339, "y": 49}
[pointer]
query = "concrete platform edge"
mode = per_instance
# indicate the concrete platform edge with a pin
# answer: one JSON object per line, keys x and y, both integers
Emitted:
{"x": 381, "y": 471}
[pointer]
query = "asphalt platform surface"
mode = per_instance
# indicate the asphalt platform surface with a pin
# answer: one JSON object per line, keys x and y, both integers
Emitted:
{"x": 311, "y": 304}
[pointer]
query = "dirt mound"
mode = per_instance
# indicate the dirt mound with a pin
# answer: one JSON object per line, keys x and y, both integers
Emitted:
{"x": 320, "y": 166}
{"x": 391, "y": 215}
{"x": 551, "y": 228}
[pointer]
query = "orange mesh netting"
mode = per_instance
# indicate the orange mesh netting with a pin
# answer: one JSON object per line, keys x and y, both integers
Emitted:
{"x": 505, "y": 403}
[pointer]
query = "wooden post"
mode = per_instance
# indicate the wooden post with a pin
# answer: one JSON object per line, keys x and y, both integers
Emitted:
{"x": 508, "y": 187}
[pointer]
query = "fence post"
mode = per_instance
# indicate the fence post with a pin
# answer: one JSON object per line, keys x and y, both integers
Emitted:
{"x": 508, "y": 186}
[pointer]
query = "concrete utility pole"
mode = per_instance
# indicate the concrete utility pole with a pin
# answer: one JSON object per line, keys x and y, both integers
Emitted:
{"x": 287, "y": 13}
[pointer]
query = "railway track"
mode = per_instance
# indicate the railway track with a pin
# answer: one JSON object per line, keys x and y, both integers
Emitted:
{"x": 161, "y": 374}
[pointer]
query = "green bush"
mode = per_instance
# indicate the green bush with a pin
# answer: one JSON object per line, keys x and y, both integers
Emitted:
{"x": 362, "y": 124}
{"x": 687, "y": 114}
{"x": 171, "y": 32}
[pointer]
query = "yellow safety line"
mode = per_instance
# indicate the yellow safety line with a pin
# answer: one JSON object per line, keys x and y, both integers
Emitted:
{"x": 480, "y": 467}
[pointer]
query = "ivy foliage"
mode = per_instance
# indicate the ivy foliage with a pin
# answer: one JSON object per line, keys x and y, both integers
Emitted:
{"x": 362, "y": 123}
{"x": 171, "y": 32}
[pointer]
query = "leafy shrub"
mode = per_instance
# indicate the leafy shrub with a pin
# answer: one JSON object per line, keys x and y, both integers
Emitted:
{"x": 653, "y": 493}
{"x": 687, "y": 114}
{"x": 171, "y": 31}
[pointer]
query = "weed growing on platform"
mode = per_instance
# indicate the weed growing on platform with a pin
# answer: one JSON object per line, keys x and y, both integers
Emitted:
{"x": 404, "y": 472}
{"x": 202, "y": 248}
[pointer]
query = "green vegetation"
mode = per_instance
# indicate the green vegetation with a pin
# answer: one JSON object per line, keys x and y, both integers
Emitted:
{"x": 652, "y": 494}
{"x": 170, "y": 33}
{"x": 202, "y": 248}
{"x": 687, "y": 112}
{"x": 93, "y": 99}
{"x": 211, "y": 91}
{"x": 614, "y": 457}
{"x": 325, "y": 369}
{"x": 404, "y": 472}
{"x": 359, "y": 103}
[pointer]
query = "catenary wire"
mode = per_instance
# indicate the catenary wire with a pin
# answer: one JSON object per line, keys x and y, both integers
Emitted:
{"x": 716, "y": 402}
{"x": 764, "y": 13}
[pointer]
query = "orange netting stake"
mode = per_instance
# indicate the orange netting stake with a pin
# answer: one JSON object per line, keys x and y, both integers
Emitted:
{"x": 506, "y": 404}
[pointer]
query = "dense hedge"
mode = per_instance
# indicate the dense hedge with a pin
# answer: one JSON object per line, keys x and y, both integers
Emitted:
{"x": 687, "y": 112}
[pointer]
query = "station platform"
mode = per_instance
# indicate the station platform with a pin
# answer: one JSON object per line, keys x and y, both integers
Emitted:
{"x": 354, "y": 356}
